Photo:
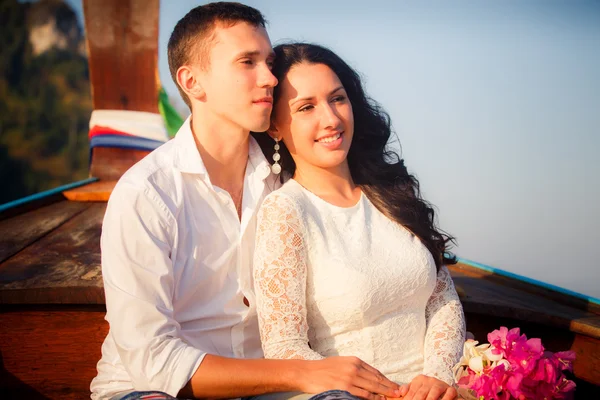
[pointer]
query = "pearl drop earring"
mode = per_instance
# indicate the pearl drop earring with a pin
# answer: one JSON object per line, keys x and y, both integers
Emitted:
{"x": 276, "y": 168}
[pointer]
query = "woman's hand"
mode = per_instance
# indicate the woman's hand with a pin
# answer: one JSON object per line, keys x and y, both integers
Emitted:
{"x": 427, "y": 388}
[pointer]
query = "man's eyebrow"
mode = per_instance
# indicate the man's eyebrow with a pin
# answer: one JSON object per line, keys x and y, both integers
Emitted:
{"x": 312, "y": 97}
{"x": 254, "y": 53}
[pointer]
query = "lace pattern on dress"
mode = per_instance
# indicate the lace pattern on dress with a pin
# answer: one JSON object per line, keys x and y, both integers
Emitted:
{"x": 280, "y": 281}
{"x": 445, "y": 329}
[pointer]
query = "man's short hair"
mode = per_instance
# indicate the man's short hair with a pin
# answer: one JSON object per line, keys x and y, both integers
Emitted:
{"x": 192, "y": 36}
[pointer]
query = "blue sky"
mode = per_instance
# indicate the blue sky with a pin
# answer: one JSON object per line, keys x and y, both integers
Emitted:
{"x": 497, "y": 108}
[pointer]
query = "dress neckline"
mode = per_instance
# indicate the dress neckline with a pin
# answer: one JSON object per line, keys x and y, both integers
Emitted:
{"x": 328, "y": 204}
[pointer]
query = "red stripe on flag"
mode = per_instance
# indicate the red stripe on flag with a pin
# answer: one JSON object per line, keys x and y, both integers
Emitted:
{"x": 103, "y": 130}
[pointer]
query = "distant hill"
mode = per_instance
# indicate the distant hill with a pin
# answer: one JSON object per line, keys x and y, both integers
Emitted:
{"x": 45, "y": 100}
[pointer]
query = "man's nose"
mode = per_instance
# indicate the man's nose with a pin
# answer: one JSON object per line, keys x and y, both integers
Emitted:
{"x": 267, "y": 79}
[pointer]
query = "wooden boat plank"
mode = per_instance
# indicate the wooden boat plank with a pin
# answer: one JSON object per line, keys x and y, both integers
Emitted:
{"x": 587, "y": 364}
{"x": 31, "y": 206}
{"x": 489, "y": 293}
{"x": 62, "y": 267}
{"x": 96, "y": 191}
{"x": 548, "y": 293}
{"x": 488, "y": 297}
{"x": 492, "y": 292}
{"x": 22, "y": 230}
{"x": 50, "y": 353}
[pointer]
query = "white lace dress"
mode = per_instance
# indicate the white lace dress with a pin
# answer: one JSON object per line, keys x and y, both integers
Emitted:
{"x": 349, "y": 281}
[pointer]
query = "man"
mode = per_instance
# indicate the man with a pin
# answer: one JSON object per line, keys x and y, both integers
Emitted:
{"x": 178, "y": 237}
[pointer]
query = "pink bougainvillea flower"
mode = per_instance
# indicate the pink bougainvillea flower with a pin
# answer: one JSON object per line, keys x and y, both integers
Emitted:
{"x": 505, "y": 340}
{"x": 486, "y": 386}
{"x": 565, "y": 389}
{"x": 513, "y": 384}
{"x": 565, "y": 358}
{"x": 525, "y": 354}
{"x": 498, "y": 338}
{"x": 545, "y": 371}
{"x": 512, "y": 367}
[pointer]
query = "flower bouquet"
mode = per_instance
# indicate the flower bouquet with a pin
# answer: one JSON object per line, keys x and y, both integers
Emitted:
{"x": 510, "y": 367}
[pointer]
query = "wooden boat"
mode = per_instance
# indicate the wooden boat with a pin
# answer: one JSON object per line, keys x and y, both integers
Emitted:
{"x": 51, "y": 297}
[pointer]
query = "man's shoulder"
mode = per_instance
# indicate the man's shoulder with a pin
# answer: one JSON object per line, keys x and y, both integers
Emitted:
{"x": 155, "y": 175}
{"x": 162, "y": 159}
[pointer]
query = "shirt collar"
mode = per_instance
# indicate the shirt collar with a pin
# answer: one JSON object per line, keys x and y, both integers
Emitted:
{"x": 257, "y": 159}
{"x": 188, "y": 158}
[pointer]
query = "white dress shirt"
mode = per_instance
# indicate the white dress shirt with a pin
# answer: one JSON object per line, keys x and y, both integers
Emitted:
{"x": 176, "y": 264}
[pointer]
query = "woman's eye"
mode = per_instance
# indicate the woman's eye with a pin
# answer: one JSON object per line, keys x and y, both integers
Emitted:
{"x": 339, "y": 98}
{"x": 305, "y": 108}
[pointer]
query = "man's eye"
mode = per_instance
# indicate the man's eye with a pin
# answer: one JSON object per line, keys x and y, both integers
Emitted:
{"x": 247, "y": 62}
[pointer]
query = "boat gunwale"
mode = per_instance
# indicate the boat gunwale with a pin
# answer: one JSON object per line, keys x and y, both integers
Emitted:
{"x": 37, "y": 200}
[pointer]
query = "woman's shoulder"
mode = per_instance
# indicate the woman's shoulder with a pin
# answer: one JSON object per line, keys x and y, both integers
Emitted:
{"x": 288, "y": 197}
{"x": 290, "y": 192}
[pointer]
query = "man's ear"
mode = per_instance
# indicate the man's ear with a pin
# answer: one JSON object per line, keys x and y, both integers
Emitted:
{"x": 189, "y": 83}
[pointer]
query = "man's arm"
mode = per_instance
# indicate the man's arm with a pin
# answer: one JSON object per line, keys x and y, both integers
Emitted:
{"x": 139, "y": 285}
{"x": 220, "y": 377}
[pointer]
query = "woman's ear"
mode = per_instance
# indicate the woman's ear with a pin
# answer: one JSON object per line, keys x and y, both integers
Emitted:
{"x": 273, "y": 132}
{"x": 189, "y": 83}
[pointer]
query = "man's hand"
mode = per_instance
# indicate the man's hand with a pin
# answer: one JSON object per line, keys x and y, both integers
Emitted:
{"x": 427, "y": 388}
{"x": 350, "y": 374}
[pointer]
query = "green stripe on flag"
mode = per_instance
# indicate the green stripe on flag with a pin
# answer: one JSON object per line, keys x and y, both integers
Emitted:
{"x": 173, "y": 120}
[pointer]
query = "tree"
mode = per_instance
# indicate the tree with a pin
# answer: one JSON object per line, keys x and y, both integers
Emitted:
{"x": 45, "y": 100}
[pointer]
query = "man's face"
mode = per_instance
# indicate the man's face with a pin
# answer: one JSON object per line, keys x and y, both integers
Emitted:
{"x": 238, "y": 82}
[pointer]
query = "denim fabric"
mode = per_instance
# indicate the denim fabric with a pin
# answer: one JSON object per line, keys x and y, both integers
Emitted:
{"x": 334, "y": 395}
{"x": 328, "y": 395}
{"x": 144, "y": 396}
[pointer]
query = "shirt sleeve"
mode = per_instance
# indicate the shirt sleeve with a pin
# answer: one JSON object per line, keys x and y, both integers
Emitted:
{"x": 280, "y": 281}
{"x": 445, "y": 334}
{"x": 139, "y": 284}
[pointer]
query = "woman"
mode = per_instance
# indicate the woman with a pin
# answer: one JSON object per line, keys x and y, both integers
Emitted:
{"x": 348, "y": 260}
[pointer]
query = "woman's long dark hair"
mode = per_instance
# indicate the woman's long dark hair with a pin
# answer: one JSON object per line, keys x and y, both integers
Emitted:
{"x": 377, "y": 170}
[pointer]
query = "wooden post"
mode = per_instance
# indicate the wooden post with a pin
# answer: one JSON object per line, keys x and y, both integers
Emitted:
{"x": 122, "y": 42}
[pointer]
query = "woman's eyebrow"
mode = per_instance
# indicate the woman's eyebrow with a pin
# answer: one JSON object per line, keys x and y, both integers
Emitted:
{"x": 312, "y": 97}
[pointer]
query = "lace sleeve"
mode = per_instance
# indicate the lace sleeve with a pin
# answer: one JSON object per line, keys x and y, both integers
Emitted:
{"x": 280, "y": 280}
{"x": 445, "y": 329}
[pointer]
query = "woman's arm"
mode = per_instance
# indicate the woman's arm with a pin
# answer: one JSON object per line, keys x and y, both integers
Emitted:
{"x": 445, "y": 329}
{"x": 280, "y": 280}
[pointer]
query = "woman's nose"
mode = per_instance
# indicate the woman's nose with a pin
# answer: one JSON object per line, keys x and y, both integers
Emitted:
{"x": 331, "y": 120}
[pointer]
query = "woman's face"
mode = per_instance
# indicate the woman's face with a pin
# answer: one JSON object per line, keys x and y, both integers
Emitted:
{"x": 313, "y": 116}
